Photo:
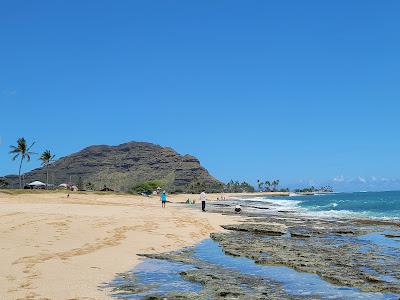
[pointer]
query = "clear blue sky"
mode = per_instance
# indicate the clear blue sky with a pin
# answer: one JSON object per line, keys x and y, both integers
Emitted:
{"x": 295, "y": 90}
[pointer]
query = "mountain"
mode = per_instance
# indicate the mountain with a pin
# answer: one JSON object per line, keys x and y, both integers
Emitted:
{"x": 121, "y": 167}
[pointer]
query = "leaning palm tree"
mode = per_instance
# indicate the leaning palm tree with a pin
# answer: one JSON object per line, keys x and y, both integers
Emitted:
{"x": 47, "y": 157}
{"x": 23, "y": 151}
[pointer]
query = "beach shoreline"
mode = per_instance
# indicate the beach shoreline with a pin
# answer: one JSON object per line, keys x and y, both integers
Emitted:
{"x": 59, "y": 247}
{"x": 282, "y": 254}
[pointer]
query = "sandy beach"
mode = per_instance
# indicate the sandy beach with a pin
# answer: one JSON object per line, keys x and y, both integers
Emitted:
{"x": 54, "y": 247}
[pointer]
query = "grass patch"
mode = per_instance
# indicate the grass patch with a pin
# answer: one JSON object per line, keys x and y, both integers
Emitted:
{"x": 105, "y": 193}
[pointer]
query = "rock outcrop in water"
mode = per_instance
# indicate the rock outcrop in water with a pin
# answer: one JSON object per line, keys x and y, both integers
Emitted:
{"x": 217, "y": 282}
{"x": 339, "y": 251}
{"x": 120, "y": 167}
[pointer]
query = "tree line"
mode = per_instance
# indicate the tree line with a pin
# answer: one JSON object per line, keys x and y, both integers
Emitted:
{"x": 238, "y": 187}
{"x": 312, "y": 189}
{"x": 270, "y": 186}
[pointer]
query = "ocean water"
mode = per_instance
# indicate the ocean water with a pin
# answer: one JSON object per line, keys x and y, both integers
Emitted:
{"x": 294, "y": 282}
{"x": 160, "y": 277}
{"x": 360, "y": 204}
{"x": 155, "y": 277}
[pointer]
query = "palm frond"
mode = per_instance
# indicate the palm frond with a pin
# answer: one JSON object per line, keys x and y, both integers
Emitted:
{"x": 29, "y": 153}
{"x": 13, "y": 150}
{"x": 46, "y": 157}
{"x": 29, "y": 148}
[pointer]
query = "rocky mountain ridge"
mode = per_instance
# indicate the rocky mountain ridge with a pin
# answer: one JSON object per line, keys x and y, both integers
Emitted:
{"x": 121, "y": 167}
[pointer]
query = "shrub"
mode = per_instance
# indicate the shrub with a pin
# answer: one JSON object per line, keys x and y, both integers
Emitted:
{"x": 147, "y": 187}
{"x": 3, "y": 183}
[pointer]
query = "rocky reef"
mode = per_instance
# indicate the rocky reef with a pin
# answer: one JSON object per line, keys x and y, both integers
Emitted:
{"x": 346, "y": 258}
{"x": 217, "y": 282}
{"x": 336, "y": 251}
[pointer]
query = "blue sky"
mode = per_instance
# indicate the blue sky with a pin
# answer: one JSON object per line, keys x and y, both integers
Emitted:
{"x": 296, "y": 90}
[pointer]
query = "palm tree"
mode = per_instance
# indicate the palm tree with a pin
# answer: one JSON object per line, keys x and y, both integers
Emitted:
{"x": 47, "y": 157}
{"x": 260, "y": 185}
{"x": 273, "y": 183}
{"x": 277, "y": 183}
{"x": 23, "y": 151}
{"x": 267, "y": 186}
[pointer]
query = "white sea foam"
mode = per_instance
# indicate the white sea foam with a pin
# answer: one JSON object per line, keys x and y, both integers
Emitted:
{"x": 337, "y": 214}
{"x": 340, "y": 214}
{"x": 284, "y": 203}
{"x": 322, "y": 194}
{"x": 276, "y": 204}
{"x": 294, "y": 195}
{"x": 325, "y": 211}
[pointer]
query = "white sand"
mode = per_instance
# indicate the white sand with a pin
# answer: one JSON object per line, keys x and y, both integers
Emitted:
{"x": 54, "y": 247}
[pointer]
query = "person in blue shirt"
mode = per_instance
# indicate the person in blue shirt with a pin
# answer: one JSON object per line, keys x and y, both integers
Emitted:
{"x": 163, "y": 199}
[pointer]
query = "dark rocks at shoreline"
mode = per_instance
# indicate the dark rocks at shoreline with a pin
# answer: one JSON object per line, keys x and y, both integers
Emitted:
{"x": 264, "y": 229}
{"x": 218, "y": 282}
{"x": 329, "y": 249}
{"x": 131, "y": 284}
{"x": 222, "y": 283}
{"x": 376, "y": 222}
{"x": 392, "y": 236}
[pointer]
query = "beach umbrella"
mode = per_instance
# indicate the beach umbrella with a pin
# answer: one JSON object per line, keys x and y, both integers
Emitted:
{"x": 37, "y": 183}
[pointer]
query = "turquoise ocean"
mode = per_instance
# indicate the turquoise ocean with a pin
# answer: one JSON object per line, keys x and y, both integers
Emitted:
{"x": 359, "y": 204}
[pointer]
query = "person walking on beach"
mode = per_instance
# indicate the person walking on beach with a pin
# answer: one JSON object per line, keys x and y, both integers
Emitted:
{"x": 203, "y": 200}
{"x": 163, "y": 199}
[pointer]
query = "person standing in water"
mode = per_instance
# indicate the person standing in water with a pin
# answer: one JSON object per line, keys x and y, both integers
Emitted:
{"x": 163, "y": 199}
{"x": 203, "y": 200}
